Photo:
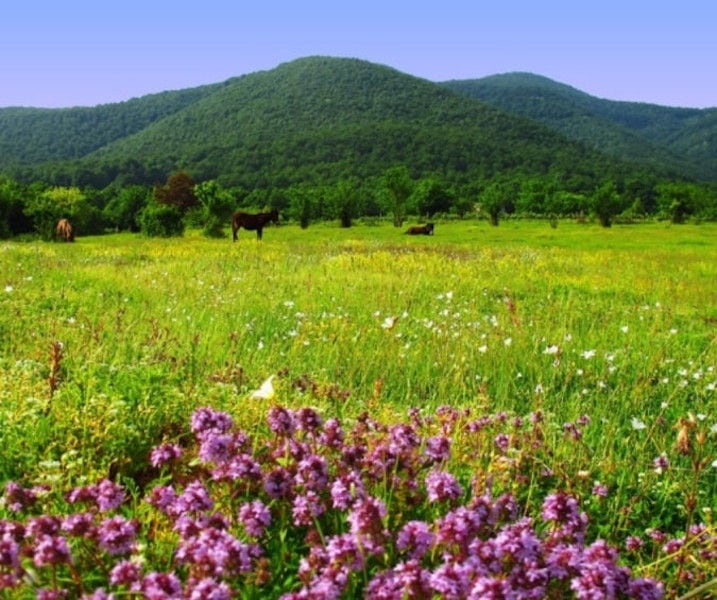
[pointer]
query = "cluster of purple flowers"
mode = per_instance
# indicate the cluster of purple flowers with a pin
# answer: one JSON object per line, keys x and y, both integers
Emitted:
{"x": 311, "y": 510}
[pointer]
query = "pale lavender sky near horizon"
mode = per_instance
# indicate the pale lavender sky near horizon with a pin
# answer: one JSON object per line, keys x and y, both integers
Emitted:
{"x": 85, "y": 52}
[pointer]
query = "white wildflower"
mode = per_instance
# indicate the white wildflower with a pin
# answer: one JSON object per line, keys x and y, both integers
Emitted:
{"x": 638, "y": 423}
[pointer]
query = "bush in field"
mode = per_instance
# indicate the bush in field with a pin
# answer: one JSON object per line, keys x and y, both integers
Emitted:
{"x": 158, "y": 220}
{"x": 215, "y": 208}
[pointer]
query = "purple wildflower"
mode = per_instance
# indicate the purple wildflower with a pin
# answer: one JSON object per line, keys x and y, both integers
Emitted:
{"x": 162, "y": 586}
{"x": 367, "y": 516}
{"x": 308, "y": 420}
{"x": 216, "y": 447}
{"x": 9, "y": 556}
{"x": 79, "y": 525}
{"x": 458, "y": 528}
{"x": 108, "y": 495}
{"x": 491, "y": 588}
{"x": 645, "y": 589}
{"x": 206, "y": 420}
{"x": 599, "y": 490}
{"x": 209, "y": 589}
{"x": 415, "y": 539}
{"x": 405, "y": 580}
{"x": 661, "y": 463}
{"x": 442, "y": 486}
{"x": 163, "y": 454}
{"x": 255, "y": 517}
{"x": 43, "y": 525}
{"x": 673, "y": 546}
{"x": 563, "y": 560}
{"x": 502, "y": 442}
{"x": 281, "y": 421}
{"x": 195, "y": 498}
{"x": 451, "y": 581}
{"x": 51, "y": 550}
{"x": 332, "y": 435}
{"x": 343, "y": 551}
{"x": 518, "y": 542}
{"x": 572, "y": 430}
{"x": 162, "y": 497}
{"x": 599, "y": 576}
{"x": 216, "y": 552}
{"x": 312, "y": 473}
{"x": 17, "y": 497}
{"x": 438, "y": 448}
{"x": 306, "y": 507}
{"x": 242, "y": 467}
{"x": 563, "y": 510}
{"x": 117, "y": 535}
{"x": 633, "y": 543}
{"x": 346, "y": 489}
{"x": 278, "y": 483}
{"x": 402, "y": 439}
{"x": 126, "y": 573}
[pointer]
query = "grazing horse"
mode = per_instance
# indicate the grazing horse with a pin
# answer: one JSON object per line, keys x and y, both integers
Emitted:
{"x": 64, "y": 230}
{"x": 253, "y": 222}
{"x": 426, "y": 229}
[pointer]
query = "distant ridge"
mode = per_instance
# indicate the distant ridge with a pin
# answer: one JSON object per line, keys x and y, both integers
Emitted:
{"x": 646, "y": 133}
{"x": 323, "y": 118}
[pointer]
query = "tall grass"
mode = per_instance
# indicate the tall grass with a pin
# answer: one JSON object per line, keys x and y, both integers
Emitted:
{"x": 108, "y": 345}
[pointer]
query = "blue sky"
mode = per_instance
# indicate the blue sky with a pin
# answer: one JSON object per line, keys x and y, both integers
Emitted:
{"x": 78, "y": 52}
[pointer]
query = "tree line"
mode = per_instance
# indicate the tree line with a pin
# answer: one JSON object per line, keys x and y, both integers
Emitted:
{"x": 167, "y": 209}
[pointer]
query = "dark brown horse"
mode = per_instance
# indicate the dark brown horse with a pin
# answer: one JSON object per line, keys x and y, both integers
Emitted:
{"x": 426, "y": 229}
{"x": 252, "y": 222}
{"x": 64, "y": 231}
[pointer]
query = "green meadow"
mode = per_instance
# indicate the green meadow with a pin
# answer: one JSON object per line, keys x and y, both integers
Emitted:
{"x": 108, "y": 345}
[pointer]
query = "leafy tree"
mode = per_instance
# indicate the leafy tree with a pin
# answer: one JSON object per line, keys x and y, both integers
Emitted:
{"x": 122, "y": 212}
{"x": 345, "y": 200}
{"x": 161, "y": 220}
{"x": 177, "y": 192}
{"x": 216, "y": 207}
{"x": 606, "y": 203}
{"x": 677, "y": 200}
{"x": 302, "y": 203}
{"x": 12, "y": 200}
{"x": 397, "y": 187}
{"x": 494, "y": 200}
{"x": 462, "y": 205}
{"x": 431, "y": 196}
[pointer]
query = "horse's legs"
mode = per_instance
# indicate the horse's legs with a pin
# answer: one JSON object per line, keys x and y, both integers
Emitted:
{"x": 234, "y": 232}
{"x": 258, "y": 233}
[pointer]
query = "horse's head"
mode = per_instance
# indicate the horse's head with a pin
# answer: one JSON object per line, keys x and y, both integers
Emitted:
{"x": 274, "y": 216}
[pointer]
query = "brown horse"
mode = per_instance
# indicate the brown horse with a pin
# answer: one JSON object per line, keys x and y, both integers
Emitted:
{"x": 252, "y": 222}
{"x": 64, "y": 231}
{"x": 426, "y": 229}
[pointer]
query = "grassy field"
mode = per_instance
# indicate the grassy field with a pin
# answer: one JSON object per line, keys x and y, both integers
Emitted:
{"x": 606, "y": 336}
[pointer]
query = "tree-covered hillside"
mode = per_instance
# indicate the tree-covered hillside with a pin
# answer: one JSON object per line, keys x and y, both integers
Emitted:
{"x": 682, "y": 139}
{"x": 30, "y": 136}
{"x": 313, "y": 119}
{"x": 326, "y": 118}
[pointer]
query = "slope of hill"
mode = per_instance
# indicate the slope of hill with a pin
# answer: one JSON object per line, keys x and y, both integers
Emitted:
{"x": 683, "y": 138}
{"x": 35, "y": 135}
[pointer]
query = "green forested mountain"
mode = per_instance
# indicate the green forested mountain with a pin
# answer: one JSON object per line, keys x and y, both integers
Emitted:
{"x": 321, "y": 119}
{"x": 683, "y": 138}
{"x": 327, "y": 118}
